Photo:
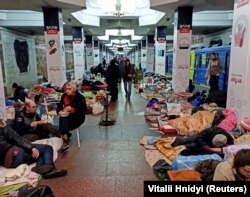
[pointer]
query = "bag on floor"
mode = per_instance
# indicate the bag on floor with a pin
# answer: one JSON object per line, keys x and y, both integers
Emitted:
{"x": 160, "y": 169}
{"x": 40, "y": 191}
{"x": 206, "y": 168}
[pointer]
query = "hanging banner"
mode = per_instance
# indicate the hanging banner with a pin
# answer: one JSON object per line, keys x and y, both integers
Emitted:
{"x": 182, "y": 48}
{"x": 78, "y": 52}
{"x": 143, "y": 55}
{"x": 136, "y": 57}
{"x": 150, "y": 53}
{"x": 238, "y": 96}
{"x": 160, "y": 49}
{"x": 89, "y": 52}
{"x": 160, "y": 60}
{"x": 54, "y": 44}
{"x": 96, "y": 53}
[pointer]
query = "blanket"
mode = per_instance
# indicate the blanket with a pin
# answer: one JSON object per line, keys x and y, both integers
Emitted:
{"x": 193, "y": 124}
{"x": 184, "y": 175}
{"x": 164, "y": 146}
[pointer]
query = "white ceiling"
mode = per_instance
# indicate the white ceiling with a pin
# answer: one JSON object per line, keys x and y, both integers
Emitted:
{"x": 96, "y": 22}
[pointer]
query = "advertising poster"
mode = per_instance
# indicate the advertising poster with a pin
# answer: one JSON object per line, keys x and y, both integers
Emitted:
{"x": 144, "y": 58}
{"x": 160, "y": 59}
{"x": 54, "y": 44}
{"x": 143, "y": 54}
{"x": 150, "y": 59}
{"x": 89, "y": 52}
{"x": 136, "y": 59}
{"x": 96, "y": 56}
{"x": 182, "y": 48}
{"x": 2, "y": 96}
{"x": 96, "y": 53}
{"x": 150, "y": 53}
{"x": 90, "y": 57}
{"x": 238, "y": 81}
{"x": 78, "y": 52}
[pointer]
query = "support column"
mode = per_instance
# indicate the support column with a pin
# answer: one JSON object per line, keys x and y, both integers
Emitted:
{"x": 150, "y": 53}
{"x": 143, "y": 55}
{"x": 89, "y": 52}
{"x": 54, "y": 43}
{"x": 182, "y": 48}
{"x": 2, "y": 96}
{"x": 160, "y": 49}
{"x": 78, "y": 52}
{"x": 96, "y": 53}
{"x": 238, "y": 95}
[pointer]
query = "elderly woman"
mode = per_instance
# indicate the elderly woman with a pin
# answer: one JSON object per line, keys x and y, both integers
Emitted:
{"x": 16, "y": 150}
{"x": 236, "y": 168}
{"x": 71, "y": 109}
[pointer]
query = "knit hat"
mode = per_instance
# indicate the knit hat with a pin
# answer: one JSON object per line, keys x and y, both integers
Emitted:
{"x": 219, "y": 140}
{"x": 245, "y": 124}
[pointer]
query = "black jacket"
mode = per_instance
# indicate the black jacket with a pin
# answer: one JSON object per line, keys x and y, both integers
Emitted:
{"x": 20, "y": 94}
{"x": 22, "y": 122}
{"x": 113, "y": 75}
{"x": 206, "y": 136}
{"x": 79, "y": 103}
{"x": 128, "y": 70}
{"x": 9, "y": 138}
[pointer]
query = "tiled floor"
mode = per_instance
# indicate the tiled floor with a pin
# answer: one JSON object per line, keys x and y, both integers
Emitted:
{"x": 110, "y": 161}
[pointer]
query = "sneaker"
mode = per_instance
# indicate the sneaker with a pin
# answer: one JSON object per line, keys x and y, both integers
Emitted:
{"x": 55, "y": 173}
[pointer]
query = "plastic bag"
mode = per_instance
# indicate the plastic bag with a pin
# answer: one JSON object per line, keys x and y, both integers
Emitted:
{"x": 97, "y": 108}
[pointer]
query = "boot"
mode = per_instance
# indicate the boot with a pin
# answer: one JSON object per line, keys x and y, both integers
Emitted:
{"x": 42, "y": 169}
{"x": 65, "y": 145}
{"x": 55, "y": 173}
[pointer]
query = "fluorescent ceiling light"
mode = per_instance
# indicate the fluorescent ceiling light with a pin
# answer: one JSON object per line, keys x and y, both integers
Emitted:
{"x": 134, "y": 37}
{"x": 119, "y": 32}
{"x": 106, "y": 37}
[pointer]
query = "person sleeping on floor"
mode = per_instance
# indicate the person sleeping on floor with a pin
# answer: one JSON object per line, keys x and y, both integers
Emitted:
{"x": 209, "y": 141}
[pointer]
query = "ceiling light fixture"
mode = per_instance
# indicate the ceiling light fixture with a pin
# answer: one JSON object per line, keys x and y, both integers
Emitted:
{"x": 118, "y": 7}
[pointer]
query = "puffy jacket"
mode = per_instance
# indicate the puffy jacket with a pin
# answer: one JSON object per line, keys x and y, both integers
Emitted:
{"x": 9, "y": 138}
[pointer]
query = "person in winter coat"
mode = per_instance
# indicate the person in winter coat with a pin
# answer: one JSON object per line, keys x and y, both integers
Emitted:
{"x": 28, "y": 123}
{"x": 112, "y": 78}
{"x": 18, "y": 93}
{"x": 128, "y": 77}
{"x": 16, "y": 150}
{"x": 72, "y": 110}
{"x": 236, "y": 168}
